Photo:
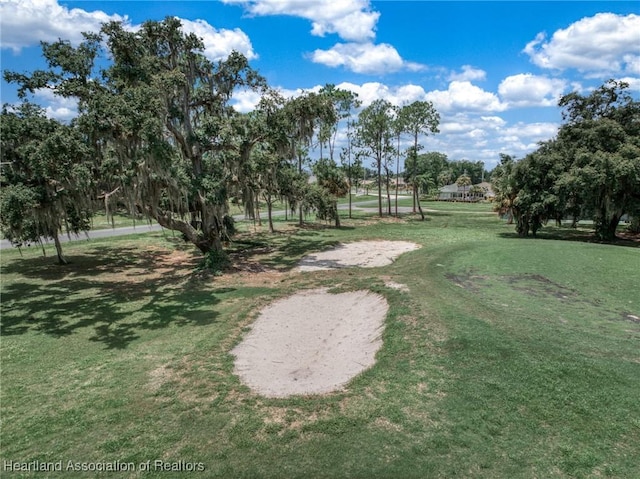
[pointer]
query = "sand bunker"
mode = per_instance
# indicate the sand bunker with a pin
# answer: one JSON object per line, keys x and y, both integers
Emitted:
{"x": 366, "y": 254}
{"x": 311, "y": 343}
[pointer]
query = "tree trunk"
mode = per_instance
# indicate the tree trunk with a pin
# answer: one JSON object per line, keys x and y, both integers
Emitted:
{"x": 205, "y": 245}
{"x": 510, "y": 216}
{"x": 61, "y": 258}
{"x": 269, "y": 215}
{"x": 388, "y": 195}
{"x": 335, "y": 205}
{"x": 300, "y": 222}
{"x": 397, "y": 173}
{"x": 416, "y": 200}
{"x": 379, "y": 187}
{"x": 574, "y": 222}
{"x": 606, "y": 229}
{"x": 413, "y": 187}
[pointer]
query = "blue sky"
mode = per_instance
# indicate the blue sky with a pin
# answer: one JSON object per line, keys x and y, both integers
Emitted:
{"x": 493, "y": 70}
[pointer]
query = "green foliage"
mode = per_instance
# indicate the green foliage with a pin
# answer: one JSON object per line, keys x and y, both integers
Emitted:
{"x": 503, "y": 185}
{"x": 374, "y": 131}
{"x": 344, "y": 102}
{"x": 215, "y": 261}
{"x": 158, "y": 118}
{"x": 591, "y": 169}
{"x": 47, "y": 185}
{"x": 419, "y": 117}
{"x": 474, "y": 169}
{"x": 320, "y": 201}
{"x": 333, "y": 183}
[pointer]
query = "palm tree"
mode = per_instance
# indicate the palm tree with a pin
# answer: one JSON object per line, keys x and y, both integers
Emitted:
{"x": 464, "y": 180}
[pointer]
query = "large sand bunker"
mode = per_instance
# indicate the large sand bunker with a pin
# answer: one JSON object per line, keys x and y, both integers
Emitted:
{"x": 366, "y": 254}
{"x": 311, "y": 343}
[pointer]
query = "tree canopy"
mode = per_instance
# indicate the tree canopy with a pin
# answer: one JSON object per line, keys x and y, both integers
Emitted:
{"x": 590, "y": 170}
{"x": 47, "y": 181}
{"x": 156, "y": 133}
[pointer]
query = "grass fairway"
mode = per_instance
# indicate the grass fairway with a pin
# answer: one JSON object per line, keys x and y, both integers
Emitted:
{"x": 507, "y": 358}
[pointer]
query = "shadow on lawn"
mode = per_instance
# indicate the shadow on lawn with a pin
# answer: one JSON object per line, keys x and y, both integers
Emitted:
{"x": 579, "y": 235}
{"x": 280, "y": 251}
{"x": 117, "y": 292}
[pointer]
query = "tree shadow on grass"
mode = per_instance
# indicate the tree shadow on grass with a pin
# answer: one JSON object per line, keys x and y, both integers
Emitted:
{"x": 116, "y": 291}
{"x": 280, "y": 251}
{"x": 577, "y": 235}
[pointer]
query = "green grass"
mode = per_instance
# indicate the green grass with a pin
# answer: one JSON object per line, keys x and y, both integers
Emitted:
{"x": 508, "y": 358}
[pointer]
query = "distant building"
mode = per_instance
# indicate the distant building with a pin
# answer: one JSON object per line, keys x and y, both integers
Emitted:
{"x": 451, "y": 192}
{"x": 487, "y": 189}
{"x": 478, "y": 192}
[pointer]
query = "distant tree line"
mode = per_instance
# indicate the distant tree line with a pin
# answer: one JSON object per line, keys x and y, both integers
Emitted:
{"x": 434, "y": 170}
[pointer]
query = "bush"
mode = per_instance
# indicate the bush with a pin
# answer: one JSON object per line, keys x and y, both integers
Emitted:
{"x": 215, "y": 262}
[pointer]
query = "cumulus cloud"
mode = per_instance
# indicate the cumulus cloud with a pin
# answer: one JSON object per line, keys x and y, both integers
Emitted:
{"x": 634, "y": 83}
{"x": 464, "y": 96}
{"x": 364, "y": 58}
{"x": 352, "y": 20}
{"x": 25, "y": 23}
{"x": 603, "y": 44}
{"x": 247, "y": 100}
{"x": 397, "y": 95}
{"x": 57, "y": 107}
{"x": 468, "y": 73}
{"x": 525, "y": 89}
{"x": 523, "y": 138}
{"x": 218, "y": 44}
{"x": 483, "y": 138}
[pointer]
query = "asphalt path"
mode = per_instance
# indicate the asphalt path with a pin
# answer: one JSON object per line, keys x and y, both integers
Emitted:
{"x": 147, "y": 228}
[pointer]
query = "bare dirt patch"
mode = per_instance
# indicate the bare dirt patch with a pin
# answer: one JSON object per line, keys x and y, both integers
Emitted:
{"x": 365, "y": 254}
{"x": 312, "y": 342}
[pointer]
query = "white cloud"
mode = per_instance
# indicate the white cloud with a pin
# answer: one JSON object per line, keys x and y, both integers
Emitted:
{"x": 57, "y": 107}
{"x": 245, "y": 101}
{"x": 634, "y": 83}
{"x": 463, "y": 96}
{"x": 25, "y": 23}
{"x": 468, "y": 74}
{"x": 352, "y": 20}
{"x": 603, "y": 44}
{"x": 482, "y": 138}
{"x": 218, "y": 44}
{"x": 527, "y": 135}
{"x": 525, "y": 89}
{"x": 364, "y": 58}
{"x": 370, "y": 91}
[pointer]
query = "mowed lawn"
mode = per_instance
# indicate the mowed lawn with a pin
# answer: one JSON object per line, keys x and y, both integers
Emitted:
{"x": 507, "y": 357}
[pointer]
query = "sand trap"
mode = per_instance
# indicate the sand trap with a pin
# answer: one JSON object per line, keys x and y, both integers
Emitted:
{"x": 311, "y": 343}
{"x": 366, "y": 254}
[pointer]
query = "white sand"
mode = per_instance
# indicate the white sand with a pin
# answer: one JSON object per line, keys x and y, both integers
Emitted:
{"x": 311, "y": 343}
{"x": 366, "y": 254}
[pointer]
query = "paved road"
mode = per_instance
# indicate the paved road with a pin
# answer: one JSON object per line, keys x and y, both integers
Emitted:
{"x": 146, "y": 228}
